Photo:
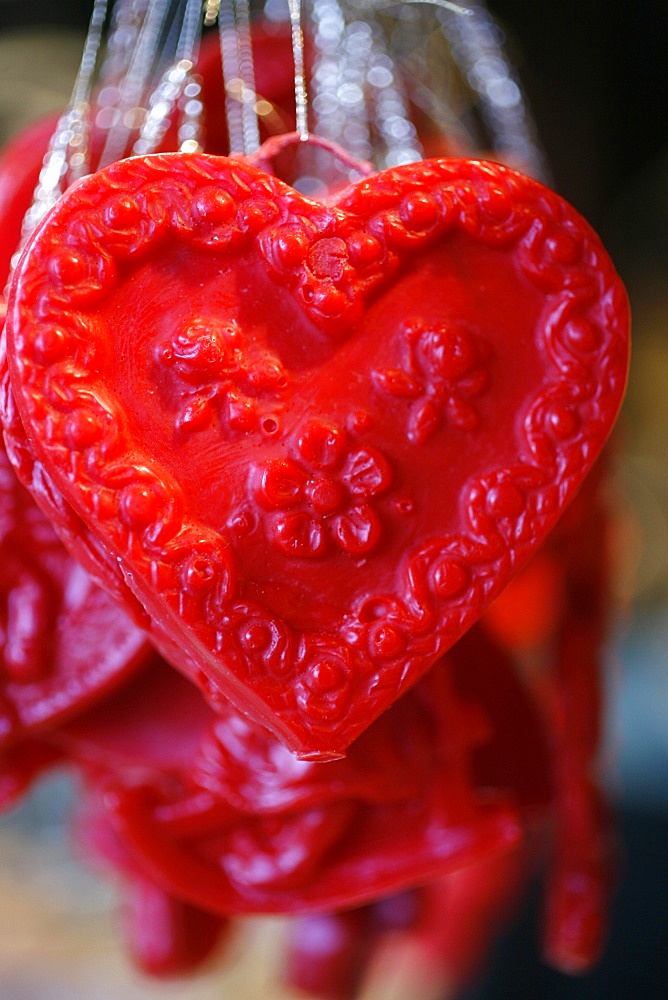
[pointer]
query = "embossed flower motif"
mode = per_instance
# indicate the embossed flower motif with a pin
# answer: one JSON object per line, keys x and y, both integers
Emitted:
{"x": 219, "y": 373}
{"x": 445, "y": 370}
{"x": 323, "y": 690}
{"x": 322, "y": 495}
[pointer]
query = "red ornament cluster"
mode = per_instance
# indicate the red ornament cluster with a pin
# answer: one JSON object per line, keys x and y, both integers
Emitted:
{"x": 331, "y": 468}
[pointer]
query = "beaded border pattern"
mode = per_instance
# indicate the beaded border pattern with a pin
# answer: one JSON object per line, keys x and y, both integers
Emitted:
{"x": 317, "y": 684}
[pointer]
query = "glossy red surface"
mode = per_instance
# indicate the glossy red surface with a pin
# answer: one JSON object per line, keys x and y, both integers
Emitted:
{"x": 314, "y": 441}
{"x": 164, "y": 936}
{"x": 63, "y": 641}
{"x": 221, "y": 815}
{"x": 320, "y": 439}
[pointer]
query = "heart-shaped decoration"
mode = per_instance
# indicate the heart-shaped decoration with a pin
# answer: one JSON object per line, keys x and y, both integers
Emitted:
{"x": 63, "y": 642}
{"x": 223, "y": 816}
{"x": 316, "y": 439}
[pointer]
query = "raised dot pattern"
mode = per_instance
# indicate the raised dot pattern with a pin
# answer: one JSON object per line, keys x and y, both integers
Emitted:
{"x": 323, "y": 496}
{"x": 220, "y": 377}
{"x": 444, "y": 371}
{"x": 332, "y": 260}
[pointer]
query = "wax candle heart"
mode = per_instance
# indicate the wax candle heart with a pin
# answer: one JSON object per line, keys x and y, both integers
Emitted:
{"x": 223, "y": 816}
{"x": 316, "y": 440}
{"x": 63, "y": 643}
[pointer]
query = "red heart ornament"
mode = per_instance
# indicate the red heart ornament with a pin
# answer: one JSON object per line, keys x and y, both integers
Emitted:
{"x": 222, "y": 815}
{"x": 315, "y": 439}
{"x": 63, "y": 643}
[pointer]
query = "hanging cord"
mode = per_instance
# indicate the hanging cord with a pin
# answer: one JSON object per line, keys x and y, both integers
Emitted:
{"x": 358, "y": 100}
{"x": 392, "y": 114}
{"x": 125, "y": 21}
{"x": 238, "y": 76}
{"x": 477, "y": 45}
{"x": 301, "y": 94}
{"x": 177, "y": 82}
{"x": 388, "y": 5}
{"x": 68, "y": 156}
{"x": 130, "y": 113}
{"x": 79, "y": 114}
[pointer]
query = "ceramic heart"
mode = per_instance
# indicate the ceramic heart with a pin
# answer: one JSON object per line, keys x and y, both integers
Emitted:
{"x": 317, "y": 439}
